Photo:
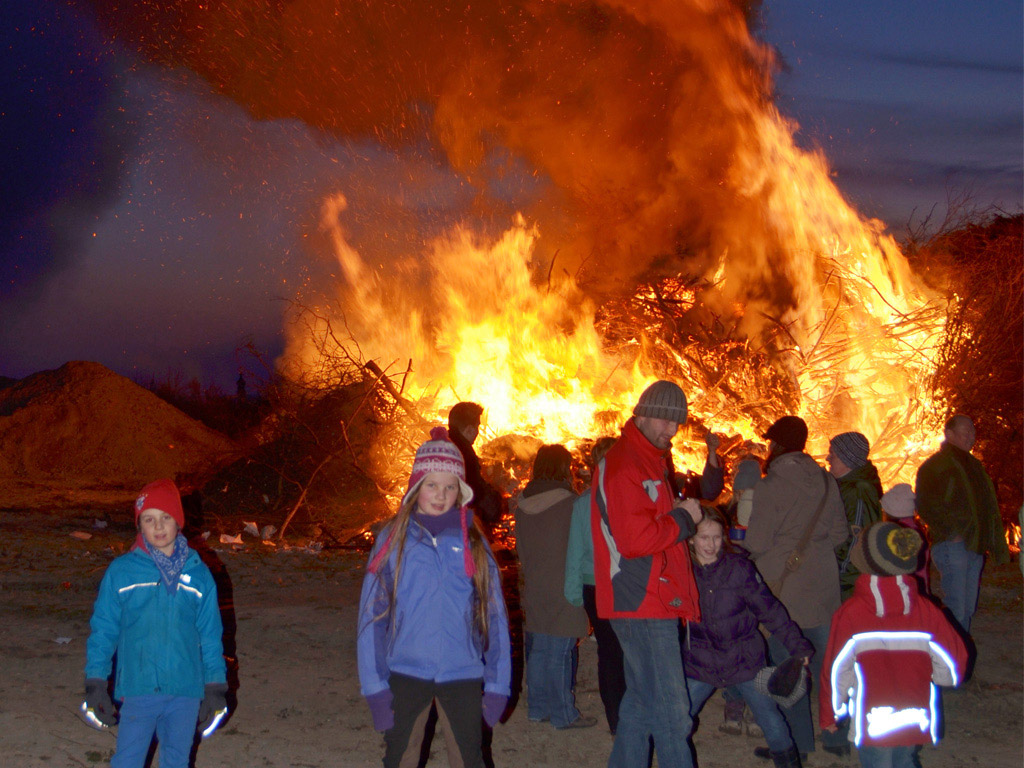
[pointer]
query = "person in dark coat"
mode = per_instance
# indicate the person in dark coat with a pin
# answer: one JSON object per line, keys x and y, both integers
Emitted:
{"x": 463, "y": 428}
{"x": 725, "y": 648}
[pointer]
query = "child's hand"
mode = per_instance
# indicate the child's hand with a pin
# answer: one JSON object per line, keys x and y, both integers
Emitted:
{"x": 213, "y": 709}
{"x": 831, "y": 728}
{"x": 380, "y": 710}
{"x": 98, "y": 710}
{"x": 493, "y": 707}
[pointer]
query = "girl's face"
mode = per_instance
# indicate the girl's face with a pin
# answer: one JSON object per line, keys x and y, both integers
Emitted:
{"x": 707, "y": 542}
{"x": 438, "y": 493}
{"x": 159, "y": 530}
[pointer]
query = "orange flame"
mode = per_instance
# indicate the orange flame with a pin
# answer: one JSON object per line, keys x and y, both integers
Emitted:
{"x": 855, "y": 335}
{"x": 1013, "y": 537}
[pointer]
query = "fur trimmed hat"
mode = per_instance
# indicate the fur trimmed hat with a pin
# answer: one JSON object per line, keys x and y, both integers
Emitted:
{"x": 662, "y": 400}
{"x": 790, "y": 432}
{"x": 786, "y": 683}
{"x": 438, "y": 454}
{"x": 851, "y": 448}
{"x": 886, "y": 549}
{"x": 899, "y": 501}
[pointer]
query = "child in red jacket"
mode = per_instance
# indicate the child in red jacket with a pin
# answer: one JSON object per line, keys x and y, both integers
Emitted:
{"x": 888, "y": 650}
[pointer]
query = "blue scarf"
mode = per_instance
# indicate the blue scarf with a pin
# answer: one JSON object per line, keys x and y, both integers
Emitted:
{"x": 170, "y": 567}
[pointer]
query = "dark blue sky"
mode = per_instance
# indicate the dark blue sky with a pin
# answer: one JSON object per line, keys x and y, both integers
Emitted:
{"x": 132, "y": 237}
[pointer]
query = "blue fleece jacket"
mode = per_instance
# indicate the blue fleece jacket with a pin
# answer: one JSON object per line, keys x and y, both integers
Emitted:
{"x": 432, "y": 635}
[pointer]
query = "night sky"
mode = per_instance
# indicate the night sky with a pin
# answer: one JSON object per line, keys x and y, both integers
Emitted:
{"x": 154, "y": 226}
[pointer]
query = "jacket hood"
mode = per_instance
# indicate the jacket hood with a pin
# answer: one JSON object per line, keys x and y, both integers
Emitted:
{"x": 886, "y": 595}
{"x": 539, "y": 495}
{"x": 796, "y": 467}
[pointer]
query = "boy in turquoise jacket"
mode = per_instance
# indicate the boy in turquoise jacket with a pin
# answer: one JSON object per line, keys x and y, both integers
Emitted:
{"x": 157, "y": 608}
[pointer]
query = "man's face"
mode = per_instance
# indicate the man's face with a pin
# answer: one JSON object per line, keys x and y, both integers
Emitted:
{"x": 962, "y": 435}
{"x": 470, "y": 432}
{"x": 658, "y": 431}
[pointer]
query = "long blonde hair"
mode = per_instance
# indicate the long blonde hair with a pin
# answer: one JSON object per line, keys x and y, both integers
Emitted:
{"x": 396, "y": 530}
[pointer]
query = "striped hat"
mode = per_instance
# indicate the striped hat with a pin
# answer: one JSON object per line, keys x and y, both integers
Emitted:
{"x": 886, "y": 549}
{"x": 662, "y": 400}
{"x": 851, "y": 448}
{"x": 438, "y": 454}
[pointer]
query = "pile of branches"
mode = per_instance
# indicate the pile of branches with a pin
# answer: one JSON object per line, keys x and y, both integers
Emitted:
{"x": 329, "y": 456}
{"x": 980, "y": 368}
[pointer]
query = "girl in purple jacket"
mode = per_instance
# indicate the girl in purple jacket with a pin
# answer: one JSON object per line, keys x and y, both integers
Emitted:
{"x": 725, "y": 648}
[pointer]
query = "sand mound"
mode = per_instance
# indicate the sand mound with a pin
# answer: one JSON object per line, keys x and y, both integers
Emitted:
{"x": 84, "y": 426}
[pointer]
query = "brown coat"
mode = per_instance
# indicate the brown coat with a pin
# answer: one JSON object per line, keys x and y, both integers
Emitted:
{"x": 784, "y": 503}
{"x": 543, "y": 516}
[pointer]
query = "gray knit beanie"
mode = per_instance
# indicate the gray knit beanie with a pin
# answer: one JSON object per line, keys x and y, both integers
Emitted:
{"x": 748, "y": 472}
{"x": 662, "y": 400}
{"x": 851, "y": 448}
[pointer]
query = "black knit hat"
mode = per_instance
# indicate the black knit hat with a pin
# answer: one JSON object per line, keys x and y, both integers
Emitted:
{"x": 886, "y": 549}
{"x": 790, "y": 432}
{"x": 662, "y": 400}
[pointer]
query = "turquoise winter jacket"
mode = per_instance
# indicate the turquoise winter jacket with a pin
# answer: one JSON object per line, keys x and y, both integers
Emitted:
{"x": 166, "y": 643}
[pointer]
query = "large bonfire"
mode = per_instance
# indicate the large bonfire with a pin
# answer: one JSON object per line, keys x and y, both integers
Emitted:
{"x": 673, "y": 227}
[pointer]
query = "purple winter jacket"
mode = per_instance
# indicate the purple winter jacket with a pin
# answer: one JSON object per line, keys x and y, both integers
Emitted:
{"x": 725, "y": 647}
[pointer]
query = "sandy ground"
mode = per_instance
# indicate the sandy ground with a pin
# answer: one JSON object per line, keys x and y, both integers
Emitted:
{"x": 298, "y": 701}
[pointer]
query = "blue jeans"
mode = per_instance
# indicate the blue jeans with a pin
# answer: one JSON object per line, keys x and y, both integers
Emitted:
{"x": 550, "y": 676}
{"x": 888, "y": 757}
{"x": 764, "y": 709}
{"x": 961, "y": 575}
{"x": 656, "y": 703}
{"x": 172, "y": 718}
{"x": 799, "y": 715}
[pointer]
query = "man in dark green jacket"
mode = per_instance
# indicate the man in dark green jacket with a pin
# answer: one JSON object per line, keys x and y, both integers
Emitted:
{"x": 861, "y": 491}
{"x": 957, "y": 501}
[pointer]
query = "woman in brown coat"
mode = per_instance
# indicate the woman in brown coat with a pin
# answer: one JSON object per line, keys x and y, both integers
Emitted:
{"x": 786, "y": 502}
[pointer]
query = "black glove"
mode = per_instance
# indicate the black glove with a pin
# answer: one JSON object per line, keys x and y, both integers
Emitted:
{"x": 214, "y": 708}
{"x": 98, "y": 710}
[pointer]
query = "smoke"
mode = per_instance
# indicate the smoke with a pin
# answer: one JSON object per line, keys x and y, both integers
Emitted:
{"x": 636, "y": 112}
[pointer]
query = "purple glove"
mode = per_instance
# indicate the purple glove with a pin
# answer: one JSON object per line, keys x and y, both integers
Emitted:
{"x": 380, "y": 710}
{"x": 493, "y": 707}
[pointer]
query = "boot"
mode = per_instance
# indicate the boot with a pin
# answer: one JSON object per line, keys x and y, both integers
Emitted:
{"x": 788, "y": 759}
{"x": 751, "y": 726}
{"x": 795, "y": 759}
{"x": 733, "y": 723}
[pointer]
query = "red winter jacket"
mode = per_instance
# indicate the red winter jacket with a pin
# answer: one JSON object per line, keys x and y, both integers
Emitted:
{"x": 641, "y": 560}
{"x": 888, "y": 650}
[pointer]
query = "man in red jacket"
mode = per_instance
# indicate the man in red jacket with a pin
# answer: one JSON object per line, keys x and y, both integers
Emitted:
{"x": 644, "y": 582}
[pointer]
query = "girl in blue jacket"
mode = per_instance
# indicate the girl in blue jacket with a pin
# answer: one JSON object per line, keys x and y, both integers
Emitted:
{"x": 157, "y": 608}
{"x": 432, "y": 620}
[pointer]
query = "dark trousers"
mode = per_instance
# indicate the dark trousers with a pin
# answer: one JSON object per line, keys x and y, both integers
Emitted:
{"x": 458, "y": 712}
{"x": 611, "y": 673}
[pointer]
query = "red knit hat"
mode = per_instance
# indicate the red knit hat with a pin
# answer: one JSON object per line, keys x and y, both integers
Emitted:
{"x": 162, "y": 495}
